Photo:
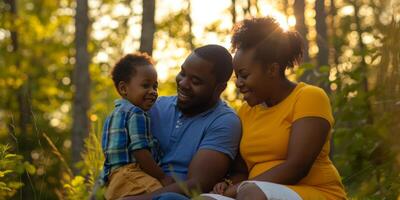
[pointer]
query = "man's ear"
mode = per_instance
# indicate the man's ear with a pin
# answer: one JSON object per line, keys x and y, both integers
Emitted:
{"x": 122, "y": 88}
{"x": 220, "y": 88}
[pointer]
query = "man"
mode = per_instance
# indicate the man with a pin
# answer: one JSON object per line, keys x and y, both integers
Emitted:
{"x": 198, "y": 133}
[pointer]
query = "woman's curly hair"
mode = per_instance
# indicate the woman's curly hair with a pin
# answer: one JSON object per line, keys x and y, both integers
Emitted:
{"x": 272, "y": 43}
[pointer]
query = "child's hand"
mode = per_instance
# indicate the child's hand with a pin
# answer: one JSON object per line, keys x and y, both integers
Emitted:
{"x": 167, "y": 180}
{"x": 231, "y": 191}
{"x": 220, "y": 188}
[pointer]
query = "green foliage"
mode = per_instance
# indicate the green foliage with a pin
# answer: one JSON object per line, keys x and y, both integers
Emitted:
{"x": 39, "y": 72}
{"x": 82, "y": 185}
{"x": 363, "y": 86}
{"x": 11, "y": 167}
{"x": 176, "y": 26}
{"x": 77, "y": 188}
{"x": 365, "y": 130}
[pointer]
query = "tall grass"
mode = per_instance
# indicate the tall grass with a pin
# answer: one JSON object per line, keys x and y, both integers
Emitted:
{"x": 11, "y": 167}
{"x": 80, "y": 186}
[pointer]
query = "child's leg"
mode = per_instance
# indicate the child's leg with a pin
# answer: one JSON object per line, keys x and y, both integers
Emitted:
{"x": 130, "y": 180}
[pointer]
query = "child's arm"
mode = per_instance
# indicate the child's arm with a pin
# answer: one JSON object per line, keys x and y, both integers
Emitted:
{"x": 147, "y": 164}
{"x": 138, "y": 128}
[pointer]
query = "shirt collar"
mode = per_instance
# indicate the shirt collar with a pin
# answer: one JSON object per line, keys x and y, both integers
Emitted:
{"x": 122, "y": 102}
{"x": 203, "y": 114}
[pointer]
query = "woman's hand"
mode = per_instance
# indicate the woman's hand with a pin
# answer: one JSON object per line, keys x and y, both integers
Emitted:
{"x": 231, "y": 191}
{"x": 220, "y": 188}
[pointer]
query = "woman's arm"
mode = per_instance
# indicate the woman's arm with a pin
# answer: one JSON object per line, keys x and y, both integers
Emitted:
{"x": 308, "y": 135}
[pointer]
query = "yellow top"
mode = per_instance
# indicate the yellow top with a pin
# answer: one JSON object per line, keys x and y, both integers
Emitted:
{"x": 265, "y": 139}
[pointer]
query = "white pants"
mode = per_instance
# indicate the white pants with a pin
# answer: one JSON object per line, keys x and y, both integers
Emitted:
{"x": 271, "y": 190}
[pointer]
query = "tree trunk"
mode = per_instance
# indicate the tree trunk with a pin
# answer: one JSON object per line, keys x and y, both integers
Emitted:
{"x": 322, "y": 43}
{"x": 361, "y": 45}
{"x": 23, "y": 91}
{"x": 247, "y": 9}
{"x": 333, "y": 36}
{"x": 148, "y": 26}
{"x": 363, "y": 64}
{"x": 80, "y": 126}
{"x": 233, "y": 12}
{"x": 322, "y": 38}
{"x": 255, "y": 4}
{"x": 24, "y": 111}
{"x": 299, "y": 9}
{"x": 190, "y": 23}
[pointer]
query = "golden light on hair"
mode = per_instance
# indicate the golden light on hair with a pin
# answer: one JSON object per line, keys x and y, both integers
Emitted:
{"x": 292, "y": 21}
{"x": 281, "y": 19}
{"x": 285, "y": 22}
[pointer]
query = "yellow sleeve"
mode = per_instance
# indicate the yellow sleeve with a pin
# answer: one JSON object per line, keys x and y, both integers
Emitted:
{"x": 313, "y": 102}
{"x": 242, "y": 110}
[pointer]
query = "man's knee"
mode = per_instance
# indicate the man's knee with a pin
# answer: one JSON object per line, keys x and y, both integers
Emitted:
{"x": 250, "y": 191}
{"x": 170, "y": 196}
{"x": 203, "y": 198}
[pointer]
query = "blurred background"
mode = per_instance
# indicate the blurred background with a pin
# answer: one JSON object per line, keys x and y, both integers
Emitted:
{"x": 55, "y": 88}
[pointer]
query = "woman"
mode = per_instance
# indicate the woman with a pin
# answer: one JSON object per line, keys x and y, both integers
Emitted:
{"x": 286, "y": 125}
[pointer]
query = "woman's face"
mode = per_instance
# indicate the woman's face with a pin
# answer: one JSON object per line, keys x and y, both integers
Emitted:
{"x": 253, "y": 80}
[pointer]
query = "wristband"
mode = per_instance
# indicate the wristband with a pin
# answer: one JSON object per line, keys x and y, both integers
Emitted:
{"x": 228, "y": 181}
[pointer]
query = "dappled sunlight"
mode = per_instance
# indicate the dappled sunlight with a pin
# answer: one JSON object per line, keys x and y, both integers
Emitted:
{"x": 353, "y": 54}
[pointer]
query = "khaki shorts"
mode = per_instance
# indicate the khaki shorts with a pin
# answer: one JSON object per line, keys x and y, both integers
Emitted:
{"x": 130, "y": 180}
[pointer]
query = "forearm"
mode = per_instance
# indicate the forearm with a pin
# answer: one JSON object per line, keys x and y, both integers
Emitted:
{"x": 284, "y": 173}
{"x": 147, "y": 164}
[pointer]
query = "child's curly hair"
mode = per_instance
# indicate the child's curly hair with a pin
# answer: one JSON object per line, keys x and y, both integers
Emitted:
{"x": 125, "y": 68}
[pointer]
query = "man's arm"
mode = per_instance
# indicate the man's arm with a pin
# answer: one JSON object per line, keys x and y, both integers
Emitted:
{"x": 205, "y": 170}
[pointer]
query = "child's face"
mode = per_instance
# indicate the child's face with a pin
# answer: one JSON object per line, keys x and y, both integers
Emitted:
{"x": 141, "y": 90}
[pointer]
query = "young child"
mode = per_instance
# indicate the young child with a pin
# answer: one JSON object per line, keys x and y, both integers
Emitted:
{"x": 131, "y": 152}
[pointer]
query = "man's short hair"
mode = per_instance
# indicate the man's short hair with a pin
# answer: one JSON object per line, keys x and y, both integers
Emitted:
{"x": 221, "y": 59}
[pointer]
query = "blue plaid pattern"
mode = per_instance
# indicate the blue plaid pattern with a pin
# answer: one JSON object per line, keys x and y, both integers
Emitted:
{"x": 125, "y": 130}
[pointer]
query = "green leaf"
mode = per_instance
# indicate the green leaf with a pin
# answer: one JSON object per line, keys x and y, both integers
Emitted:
{"x": 3, "y": 173}
{"x": 29, "y": 168}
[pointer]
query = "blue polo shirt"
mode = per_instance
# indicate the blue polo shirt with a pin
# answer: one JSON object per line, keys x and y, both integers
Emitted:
{"x": 181, "y": 137}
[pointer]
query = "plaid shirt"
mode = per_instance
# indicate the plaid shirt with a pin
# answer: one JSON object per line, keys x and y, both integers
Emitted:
{"x": 125, "y": 130}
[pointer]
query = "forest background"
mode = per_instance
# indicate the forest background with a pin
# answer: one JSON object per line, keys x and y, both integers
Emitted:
{"x": 55, "y": 88}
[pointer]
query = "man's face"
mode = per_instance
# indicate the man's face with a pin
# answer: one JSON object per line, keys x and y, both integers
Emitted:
{"x": 196, "y": 85}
